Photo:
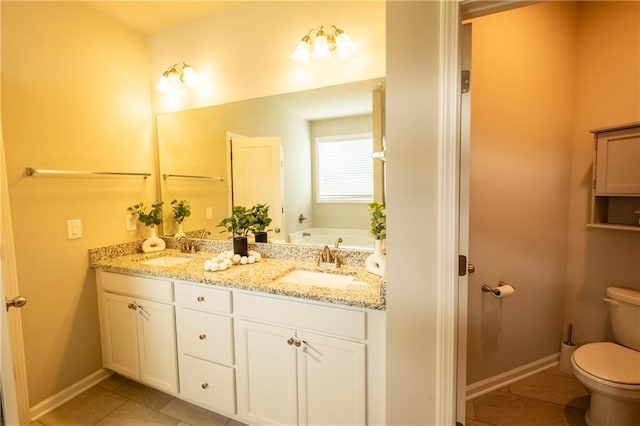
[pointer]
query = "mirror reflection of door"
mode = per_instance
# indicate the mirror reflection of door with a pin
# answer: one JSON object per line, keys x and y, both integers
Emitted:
{"x": 256, "y": 175}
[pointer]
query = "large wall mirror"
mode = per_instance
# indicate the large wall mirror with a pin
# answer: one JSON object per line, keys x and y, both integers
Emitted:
{"x": 267, "y": 150}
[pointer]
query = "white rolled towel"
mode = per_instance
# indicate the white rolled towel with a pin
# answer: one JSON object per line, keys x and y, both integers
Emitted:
{"x": 376, "y": 264}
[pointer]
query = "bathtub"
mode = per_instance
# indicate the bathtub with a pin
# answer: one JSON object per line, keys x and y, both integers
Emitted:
{"x": 351, "y": 238}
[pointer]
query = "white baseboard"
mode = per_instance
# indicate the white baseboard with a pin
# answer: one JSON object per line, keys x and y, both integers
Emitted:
{"x": 65, "y": 395}
{"x": 496, "y": 382}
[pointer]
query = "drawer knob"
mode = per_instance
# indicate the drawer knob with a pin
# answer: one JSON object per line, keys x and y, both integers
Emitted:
{"x": 204, "y": 385}
{"x": 202, "y": 336}
{"x": 292, "y": 341}
{"x": 200, "y": 298}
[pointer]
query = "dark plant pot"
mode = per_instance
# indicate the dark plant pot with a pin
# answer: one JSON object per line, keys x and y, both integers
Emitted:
{"x": 261, "y": 237}
{"x": 240, "y": 246}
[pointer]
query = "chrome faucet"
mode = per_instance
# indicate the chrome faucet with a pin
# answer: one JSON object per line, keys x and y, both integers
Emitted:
{"x": 327, "y": 257}
{"x": 205, "y": 234}
{"x": 338, "y": 241}
{"x": 186, "y": 245}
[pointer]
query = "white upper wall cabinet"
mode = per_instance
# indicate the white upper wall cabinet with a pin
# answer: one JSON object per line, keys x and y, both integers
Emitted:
{"x": 616, "y": 177}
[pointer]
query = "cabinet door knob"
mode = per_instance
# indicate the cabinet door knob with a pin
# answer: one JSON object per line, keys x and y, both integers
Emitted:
{"x": 204, "y": 385}
{"x": 290, "y": 341}
{"x": 297, "y": 343}
{"x": 132, "y": 306}
{"x": 202, "y": 336}
{"x": 200, "y": 298}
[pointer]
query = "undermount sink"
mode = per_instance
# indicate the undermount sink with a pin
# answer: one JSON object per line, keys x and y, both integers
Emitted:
{"x": 319, "y": 279}
{"x": 166, "y": 261}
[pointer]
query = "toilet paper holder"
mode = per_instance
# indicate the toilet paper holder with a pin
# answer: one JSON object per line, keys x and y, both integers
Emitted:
{"x": 496, "y": 291}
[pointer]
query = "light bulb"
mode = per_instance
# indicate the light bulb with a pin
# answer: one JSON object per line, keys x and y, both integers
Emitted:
{"x": 302, "y": 53}
{"x": 189, "y": 76}
{"x": 163, "y": 84}
{"x": 321, "y": 47}
{"x": 345, "y": 46}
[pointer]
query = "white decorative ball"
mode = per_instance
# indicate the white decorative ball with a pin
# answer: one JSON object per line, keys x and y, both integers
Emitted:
{"x": 251, "y": 259}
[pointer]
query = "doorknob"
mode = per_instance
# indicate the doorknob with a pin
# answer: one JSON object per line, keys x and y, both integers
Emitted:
{"x": 16, "y": 302}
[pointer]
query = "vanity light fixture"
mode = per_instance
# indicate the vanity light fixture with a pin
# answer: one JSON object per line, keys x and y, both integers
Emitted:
{"x": 318, "y": 44}
{"x": 176, "y": 77}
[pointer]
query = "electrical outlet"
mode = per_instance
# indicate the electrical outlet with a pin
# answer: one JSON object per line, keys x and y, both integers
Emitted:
{"x": 74, "y": 229}
{"x": 130, "y": 222}
{"x": 209, "y": 213}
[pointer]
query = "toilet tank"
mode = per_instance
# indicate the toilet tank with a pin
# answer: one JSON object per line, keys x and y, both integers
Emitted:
{"x": 624, "y": 311}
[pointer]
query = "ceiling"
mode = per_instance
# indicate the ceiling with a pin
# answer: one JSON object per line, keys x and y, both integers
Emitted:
{"x": 151, "y": 16}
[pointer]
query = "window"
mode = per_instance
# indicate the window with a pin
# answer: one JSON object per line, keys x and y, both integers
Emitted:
{"x": 344, "y": 168}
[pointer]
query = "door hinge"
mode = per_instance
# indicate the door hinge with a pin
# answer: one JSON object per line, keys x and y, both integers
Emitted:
{"x": 465, "y": 83}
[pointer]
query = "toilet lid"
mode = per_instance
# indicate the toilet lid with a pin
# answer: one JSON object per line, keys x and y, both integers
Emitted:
{"x": 609, "y": 361}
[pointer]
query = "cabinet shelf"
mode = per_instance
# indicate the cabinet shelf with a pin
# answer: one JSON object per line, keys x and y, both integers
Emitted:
{"x": 617, "y": 227}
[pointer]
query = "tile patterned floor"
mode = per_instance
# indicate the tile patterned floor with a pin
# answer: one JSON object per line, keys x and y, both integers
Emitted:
{"x": 548, "y": 398}
{"x": 117, "y": 401}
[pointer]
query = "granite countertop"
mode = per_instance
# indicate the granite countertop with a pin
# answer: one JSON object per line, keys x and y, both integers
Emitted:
{"x": 261, "y": 276}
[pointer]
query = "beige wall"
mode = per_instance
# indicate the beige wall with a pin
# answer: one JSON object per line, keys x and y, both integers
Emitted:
{"x": 534, "y": 101}
{"x": 339, "y": 215}
{"x": 521, "y": 134}
{"x": 75, "y": 96}
{"x": 245, "y": 52}
{"x": 412, "y": 164}
{"x": 607, "y": 85}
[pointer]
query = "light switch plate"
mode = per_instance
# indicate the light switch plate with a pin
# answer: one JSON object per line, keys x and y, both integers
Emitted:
{"x": 74, "y": 229}
{"x": 209, "y": 213}
{"x": 130, "y": 222}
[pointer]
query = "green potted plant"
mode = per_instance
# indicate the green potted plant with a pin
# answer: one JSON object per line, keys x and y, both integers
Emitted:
{"x": 238, "y": 225}
{"x": 262, "y": 220}
{"x": 376, "y": 263}
{"x": 181, "y": 211}
{"x": 378, "y": 220}
{"x": 150, "y": 218}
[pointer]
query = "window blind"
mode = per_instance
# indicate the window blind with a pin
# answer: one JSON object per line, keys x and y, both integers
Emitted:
{"x": 345, "y": 169}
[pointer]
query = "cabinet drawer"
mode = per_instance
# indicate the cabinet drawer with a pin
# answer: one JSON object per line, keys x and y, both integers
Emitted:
{"x": 299, "y": 315}
{"x": 205, "y": 335}
{"x": 207, "y": 384}
{"x": 148, "y": 288}
{"x": 202, "y": 297}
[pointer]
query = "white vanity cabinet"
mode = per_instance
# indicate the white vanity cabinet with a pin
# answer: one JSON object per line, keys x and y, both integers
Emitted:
{"x": 205, "y": 346}
{"x": 138, "y": 329}
{"x": 255, "y": 357}
{"x": 616, "y": 178}
{"x": 301, "y": 363}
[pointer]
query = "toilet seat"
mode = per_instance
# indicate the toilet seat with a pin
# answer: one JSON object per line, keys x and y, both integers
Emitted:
{"x": 610, "y": 364}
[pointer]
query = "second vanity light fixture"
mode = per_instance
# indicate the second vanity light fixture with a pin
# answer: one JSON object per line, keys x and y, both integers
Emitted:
{"x": 320, "y": 43}
{"x": 176, "y": 77}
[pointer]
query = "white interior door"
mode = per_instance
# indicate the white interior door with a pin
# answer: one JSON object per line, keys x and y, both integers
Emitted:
{"x": 256, "y": 175}
{"x": 13, "y": 379}
{"x": 463, "y": 231}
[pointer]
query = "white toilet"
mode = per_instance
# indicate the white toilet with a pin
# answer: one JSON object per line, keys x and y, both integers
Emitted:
{"x": 611, "y": 371}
